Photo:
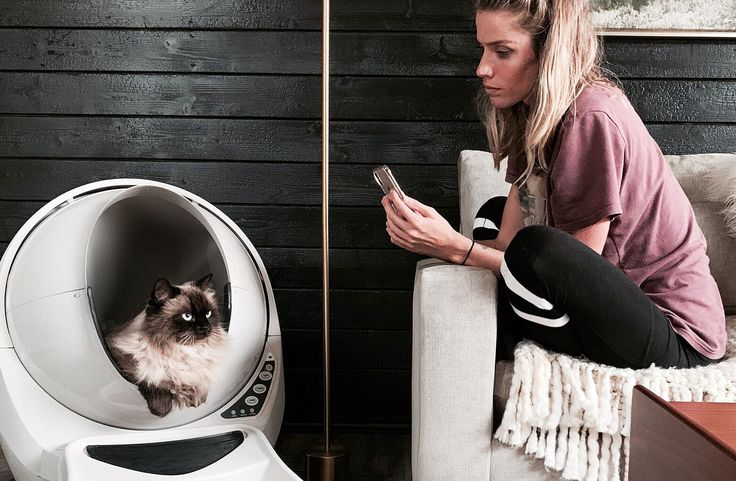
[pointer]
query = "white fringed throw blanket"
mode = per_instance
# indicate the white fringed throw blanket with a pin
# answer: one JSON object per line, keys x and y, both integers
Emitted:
{"x": 576, "y": 414}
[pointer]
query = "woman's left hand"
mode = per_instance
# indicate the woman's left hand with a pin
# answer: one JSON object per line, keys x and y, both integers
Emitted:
{"x": 421, "y": 229}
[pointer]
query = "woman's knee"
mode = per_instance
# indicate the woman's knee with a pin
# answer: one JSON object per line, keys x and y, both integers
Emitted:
{"x": 538, "y": 241}
{"x": 488, "y": 219}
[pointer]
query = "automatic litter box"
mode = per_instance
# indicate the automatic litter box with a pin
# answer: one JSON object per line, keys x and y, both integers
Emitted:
{"x": 84, "y": 264}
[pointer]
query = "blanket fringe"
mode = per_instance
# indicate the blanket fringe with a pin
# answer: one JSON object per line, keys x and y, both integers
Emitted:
{"x": 575, "y": 415}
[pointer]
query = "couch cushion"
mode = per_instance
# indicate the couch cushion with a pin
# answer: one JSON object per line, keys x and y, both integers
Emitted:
{"x": 692, "y": 172}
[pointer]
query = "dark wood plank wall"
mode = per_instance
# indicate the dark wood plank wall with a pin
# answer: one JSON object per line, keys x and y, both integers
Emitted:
{"x": 223, "y": 99}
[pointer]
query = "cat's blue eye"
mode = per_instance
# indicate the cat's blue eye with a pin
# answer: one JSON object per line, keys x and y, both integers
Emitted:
{"x": 209, "y": 313}
{"x": 187, "y": 316}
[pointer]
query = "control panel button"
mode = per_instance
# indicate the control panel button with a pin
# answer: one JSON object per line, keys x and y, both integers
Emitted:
{"x": 251, "y": 400}
{"x": 265, "y": 376}
{"x": 259, "y": 389}
{"x": 269, "y": 367}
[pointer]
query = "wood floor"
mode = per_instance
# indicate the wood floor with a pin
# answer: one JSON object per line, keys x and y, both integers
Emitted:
{"x": 372, "y": 456}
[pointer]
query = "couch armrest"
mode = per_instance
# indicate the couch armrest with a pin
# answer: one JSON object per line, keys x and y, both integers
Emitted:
{"x": 478, "y": 181}
{"x": 453, "y": 360}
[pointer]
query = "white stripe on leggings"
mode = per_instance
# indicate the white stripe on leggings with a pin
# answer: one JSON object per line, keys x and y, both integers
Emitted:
{"x": 485, "y": 223}
{"x": 522, "y": 291}
{"x": 559, "y": 322}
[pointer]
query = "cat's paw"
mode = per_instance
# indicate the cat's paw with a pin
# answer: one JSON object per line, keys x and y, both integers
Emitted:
{"x": 159, "y": 401}
{"x": 193, "y": 397}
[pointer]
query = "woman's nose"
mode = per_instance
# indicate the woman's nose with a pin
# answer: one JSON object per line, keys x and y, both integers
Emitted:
{"x": 484, "y": 69}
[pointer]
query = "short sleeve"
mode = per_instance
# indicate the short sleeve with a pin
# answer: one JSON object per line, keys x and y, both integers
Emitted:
{"x": 586, "y": 173}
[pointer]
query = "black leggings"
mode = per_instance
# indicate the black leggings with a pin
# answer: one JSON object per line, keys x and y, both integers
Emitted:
{"x": 558, "y": 292}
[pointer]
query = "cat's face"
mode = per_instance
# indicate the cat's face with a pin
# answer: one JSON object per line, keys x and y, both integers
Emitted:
{"x": 185, "y": 314}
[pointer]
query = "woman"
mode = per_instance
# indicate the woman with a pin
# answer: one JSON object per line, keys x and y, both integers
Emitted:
{"x": 598, "y": 250}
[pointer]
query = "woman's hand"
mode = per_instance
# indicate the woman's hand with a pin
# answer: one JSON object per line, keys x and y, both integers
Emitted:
{"x": 421, "y": 229}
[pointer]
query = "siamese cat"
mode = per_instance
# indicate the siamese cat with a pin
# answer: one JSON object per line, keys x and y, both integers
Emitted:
{"x": 172, "y": 348}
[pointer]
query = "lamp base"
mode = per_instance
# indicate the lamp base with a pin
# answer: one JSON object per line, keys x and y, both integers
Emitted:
{"x": 327, "y": 465}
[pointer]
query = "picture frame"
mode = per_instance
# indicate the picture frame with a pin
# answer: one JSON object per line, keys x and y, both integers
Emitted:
{"x": 676, "y": 18}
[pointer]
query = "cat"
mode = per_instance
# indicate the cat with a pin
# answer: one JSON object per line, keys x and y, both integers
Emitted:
{"x": 172, "y": 348}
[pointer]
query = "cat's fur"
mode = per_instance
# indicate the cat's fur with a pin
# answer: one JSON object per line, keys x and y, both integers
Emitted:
{"x": 172, "y": 361}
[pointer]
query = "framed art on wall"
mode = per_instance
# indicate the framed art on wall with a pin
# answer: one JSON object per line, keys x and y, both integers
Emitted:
{"x": 701, "y": 18}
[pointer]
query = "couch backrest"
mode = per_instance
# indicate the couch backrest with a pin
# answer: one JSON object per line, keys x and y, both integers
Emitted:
{"x": 479, "y": 181}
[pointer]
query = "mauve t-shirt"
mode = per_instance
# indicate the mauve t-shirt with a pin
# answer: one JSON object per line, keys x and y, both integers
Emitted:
{"x": 604, "y": 164}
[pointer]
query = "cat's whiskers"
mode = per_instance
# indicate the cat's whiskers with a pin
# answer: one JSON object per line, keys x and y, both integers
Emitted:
{"x": 186, "y": 338}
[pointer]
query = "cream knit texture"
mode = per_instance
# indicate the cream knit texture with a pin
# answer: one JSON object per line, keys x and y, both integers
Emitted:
{"x": 575, "y": 414}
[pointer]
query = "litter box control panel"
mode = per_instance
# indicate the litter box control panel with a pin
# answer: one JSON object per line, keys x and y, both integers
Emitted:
{"x": 252, "y": 401}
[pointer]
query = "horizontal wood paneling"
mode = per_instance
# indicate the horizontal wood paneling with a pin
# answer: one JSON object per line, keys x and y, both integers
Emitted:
{"x": 296, "y": 226}
{"x": 671, "y": 57}
{"x": 229, "y": 182}
{"x": 236, "y": 96}
{"x": 13, "y": 215}
{"x": 694, "y": 138}
{"x": 380, "y": 397}
{"x": 261, "y": 140}
{"x": 161, "y": 94}
{"x": 349, "y": 268}
{"x": 379, "y": 98}
{"x": 683, "y": 101}
{"x": 162, "y": 51}
{"x": 349, "y": 309}
{"x": 363, "y": 350}
{"x": 297, "y": 52}
{"x": 437, "y": 15}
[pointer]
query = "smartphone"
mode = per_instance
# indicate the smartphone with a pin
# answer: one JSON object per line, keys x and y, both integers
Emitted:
{"x": 385, "y": 179}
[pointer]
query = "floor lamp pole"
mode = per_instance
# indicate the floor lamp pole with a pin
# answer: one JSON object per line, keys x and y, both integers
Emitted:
{"x": 326, "y": 462}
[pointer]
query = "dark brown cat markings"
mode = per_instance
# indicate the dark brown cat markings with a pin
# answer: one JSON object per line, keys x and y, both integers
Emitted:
{"x": 172, "y": 348}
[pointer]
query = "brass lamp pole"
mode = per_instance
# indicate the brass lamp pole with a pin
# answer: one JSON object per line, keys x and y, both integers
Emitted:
{"x": 326, "y": 462}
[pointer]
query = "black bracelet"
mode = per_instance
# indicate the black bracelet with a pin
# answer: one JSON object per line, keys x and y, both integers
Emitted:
{"x": 468, "y": 254}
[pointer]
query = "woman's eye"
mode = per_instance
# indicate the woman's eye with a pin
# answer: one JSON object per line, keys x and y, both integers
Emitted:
{"x": 208, "y": 315}
{"x": 503, "y": 53}
{"x": 187, "y": 316}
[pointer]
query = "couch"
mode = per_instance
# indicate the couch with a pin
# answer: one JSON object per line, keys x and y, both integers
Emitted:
{"x": 456, "y": 383}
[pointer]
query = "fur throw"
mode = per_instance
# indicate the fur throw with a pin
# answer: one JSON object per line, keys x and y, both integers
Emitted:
{"x": 575, "y": 414}
{"x": 722, "y": 180}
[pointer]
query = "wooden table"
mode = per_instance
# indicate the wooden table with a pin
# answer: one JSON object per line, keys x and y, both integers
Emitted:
{"x": 681, "y": 441}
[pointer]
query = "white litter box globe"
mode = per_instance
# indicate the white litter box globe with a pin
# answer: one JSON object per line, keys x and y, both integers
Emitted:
{"x": 81, "y": 267}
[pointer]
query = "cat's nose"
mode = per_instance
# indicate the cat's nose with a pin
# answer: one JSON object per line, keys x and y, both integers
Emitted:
{"x": 203, "y": 328}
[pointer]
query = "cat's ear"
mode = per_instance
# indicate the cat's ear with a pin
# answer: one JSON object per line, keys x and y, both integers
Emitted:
{"x": 205, "y": 282}
{"x": 163, "y": 290}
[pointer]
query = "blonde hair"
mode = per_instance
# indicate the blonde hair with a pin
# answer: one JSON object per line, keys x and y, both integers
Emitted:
{"x": 569, "y": 55}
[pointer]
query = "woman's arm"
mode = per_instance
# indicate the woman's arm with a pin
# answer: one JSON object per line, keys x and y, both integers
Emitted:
{"x": 420, "y": 229}
{"x": 594, "y": 236}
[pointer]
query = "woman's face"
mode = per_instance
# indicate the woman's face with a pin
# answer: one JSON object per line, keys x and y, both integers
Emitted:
{"x": 509, "y": 66}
